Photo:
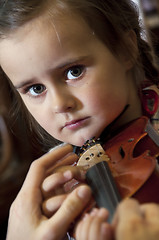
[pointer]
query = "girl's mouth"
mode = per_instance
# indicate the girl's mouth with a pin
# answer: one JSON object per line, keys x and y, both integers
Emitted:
{"x": 72, "y": 125}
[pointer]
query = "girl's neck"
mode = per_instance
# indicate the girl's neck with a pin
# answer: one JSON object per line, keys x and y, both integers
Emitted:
{"x": 132, "y": 111}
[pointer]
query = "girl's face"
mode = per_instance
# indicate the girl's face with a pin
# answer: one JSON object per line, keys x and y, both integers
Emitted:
{"x": 68, "y": 79}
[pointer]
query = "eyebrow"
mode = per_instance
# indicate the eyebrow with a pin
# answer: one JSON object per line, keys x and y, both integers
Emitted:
{"x": 24, "y": 83}
{"x": 59, "y": 67}
{"x": 72, "y": 61}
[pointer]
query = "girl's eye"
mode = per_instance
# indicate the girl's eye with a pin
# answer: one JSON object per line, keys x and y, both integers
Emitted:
{"x": 36, "y": 90}
{"x": 74, "y": 72}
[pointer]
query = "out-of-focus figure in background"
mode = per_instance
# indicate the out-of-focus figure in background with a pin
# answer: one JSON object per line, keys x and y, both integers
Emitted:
{"x": 150, "y": 10}
{"x": 150, "y": 14}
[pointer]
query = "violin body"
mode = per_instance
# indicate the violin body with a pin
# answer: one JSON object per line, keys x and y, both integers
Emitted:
{"x": 133, "y": 161}
{"x": 132, "y": 158}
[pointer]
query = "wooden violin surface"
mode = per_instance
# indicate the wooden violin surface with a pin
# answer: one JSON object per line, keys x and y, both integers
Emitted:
{"x": 133, "y": 160}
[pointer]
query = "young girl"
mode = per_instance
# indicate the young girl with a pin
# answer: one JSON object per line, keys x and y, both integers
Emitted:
{"x": 78, "y": 67}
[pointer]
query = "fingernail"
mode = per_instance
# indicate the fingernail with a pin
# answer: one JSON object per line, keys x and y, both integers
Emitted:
{"x": 94, "y": 212}
{"x": 103, "y": 213}
{"x": 85, "y": 216}
{"x": 68, "y": 174}
{"x": 83, "y": 192}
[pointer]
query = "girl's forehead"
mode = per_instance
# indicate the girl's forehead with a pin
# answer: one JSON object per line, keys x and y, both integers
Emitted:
{"x": 51, "y": 40}
{"x": 62, "y": 26}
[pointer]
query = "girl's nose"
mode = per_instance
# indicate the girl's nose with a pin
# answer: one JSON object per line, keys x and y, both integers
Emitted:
{"x": 63, "y": 101}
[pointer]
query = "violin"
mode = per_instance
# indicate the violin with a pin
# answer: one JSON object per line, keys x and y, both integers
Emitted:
{"x": 126, "y": 165}
{"x": 131, "y": 156}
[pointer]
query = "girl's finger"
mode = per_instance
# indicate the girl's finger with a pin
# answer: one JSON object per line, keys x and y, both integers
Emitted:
{"x": 79, "y": 231}
{"x": 94, "y": 226}
{"x": 82, "y": 228}
{"x": 97, "y": 229}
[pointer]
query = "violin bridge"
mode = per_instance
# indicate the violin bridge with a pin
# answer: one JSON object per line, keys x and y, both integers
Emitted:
{"x": 92, "y": 156}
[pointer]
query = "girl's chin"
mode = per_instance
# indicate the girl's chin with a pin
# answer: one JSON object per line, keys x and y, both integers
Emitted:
{"x": 79, "y": 138}
{"x": 81, "y": 141}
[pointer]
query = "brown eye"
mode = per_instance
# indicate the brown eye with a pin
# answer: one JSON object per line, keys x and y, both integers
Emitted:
{"x": 36, "y": 90}
{"x": 74, "y": 72}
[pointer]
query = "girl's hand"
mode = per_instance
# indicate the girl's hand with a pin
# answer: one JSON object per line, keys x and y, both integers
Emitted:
{"x": 94, "y": 226}
{"x": 135, "y": 222}
{"x": 26, "y": 220}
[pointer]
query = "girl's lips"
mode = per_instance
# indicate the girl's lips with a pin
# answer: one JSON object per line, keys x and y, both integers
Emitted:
{"x": 75, "y": 123}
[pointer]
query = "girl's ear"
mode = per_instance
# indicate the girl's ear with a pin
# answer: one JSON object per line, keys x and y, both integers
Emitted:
{"x": 131, "y": 51}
